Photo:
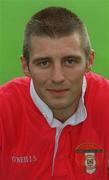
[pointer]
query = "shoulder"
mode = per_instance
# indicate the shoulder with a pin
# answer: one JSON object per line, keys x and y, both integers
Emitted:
{"x": 14, "y": 89}
{"x": 97, "y": 92}
{"x": 97, "y": 83}
{"x": 18, "y": 83}
{"x": 97, "y": 103}
{"x": 97, "y": 79}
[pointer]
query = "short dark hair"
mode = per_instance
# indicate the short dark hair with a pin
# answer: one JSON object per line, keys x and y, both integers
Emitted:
{"x": 55, "y": 22}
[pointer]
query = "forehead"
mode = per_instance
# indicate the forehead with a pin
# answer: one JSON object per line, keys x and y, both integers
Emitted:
{"x": 45, "y": 45}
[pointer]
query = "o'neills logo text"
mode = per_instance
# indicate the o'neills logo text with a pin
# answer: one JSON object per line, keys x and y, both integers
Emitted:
{"x": 24, "y": 159}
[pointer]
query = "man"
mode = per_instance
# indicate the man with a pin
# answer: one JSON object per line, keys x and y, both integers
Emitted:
{"x": 54, "y": 124}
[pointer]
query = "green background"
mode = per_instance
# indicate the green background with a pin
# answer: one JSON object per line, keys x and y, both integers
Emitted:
{"x": 15, "y": 13}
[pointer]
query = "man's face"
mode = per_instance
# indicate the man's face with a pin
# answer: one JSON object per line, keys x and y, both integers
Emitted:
{"x": 57, "y": 67}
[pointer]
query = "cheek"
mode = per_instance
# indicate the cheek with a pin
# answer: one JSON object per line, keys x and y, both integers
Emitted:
{"x": 76, "y": 80}
{"x": 38, "y": 73}
{"x": 76, "y": 74}
{"x": 39, "y": 80}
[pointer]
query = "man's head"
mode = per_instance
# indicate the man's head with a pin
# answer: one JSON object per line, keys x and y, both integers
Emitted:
{"x": 56, "y": 55}
{"x": 55, "y": 22}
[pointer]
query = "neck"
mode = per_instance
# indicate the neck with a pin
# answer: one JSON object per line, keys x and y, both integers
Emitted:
{"x": 65, "y": 113}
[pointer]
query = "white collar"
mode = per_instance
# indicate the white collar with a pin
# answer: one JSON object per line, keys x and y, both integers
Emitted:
{"x": 78, "y": 117}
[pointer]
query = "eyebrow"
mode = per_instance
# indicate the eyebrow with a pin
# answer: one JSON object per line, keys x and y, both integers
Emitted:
{"x": 38, "y": 59}
{"x": 72, "y": 56}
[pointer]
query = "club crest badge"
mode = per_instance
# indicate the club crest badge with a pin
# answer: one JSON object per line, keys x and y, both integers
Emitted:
{"x": 89, "y": 157}
{"x": 90, "y": 162}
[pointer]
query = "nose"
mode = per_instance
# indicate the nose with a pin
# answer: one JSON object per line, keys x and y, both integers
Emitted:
{"x": 57, "y": 75}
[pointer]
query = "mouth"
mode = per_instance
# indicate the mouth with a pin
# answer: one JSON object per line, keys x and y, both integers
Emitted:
{"x": 59, "y": 92}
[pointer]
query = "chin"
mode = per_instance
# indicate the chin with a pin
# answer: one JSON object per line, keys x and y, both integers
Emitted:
{"x": 58, "y": 106}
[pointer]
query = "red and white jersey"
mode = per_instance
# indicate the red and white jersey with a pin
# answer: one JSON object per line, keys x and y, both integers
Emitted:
{"x": 27, "y": 141}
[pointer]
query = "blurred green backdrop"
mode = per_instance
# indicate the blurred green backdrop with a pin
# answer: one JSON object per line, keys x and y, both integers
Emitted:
{"x": 15, "y": 13}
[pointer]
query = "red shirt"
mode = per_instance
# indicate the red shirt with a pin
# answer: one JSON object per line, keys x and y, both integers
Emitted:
{"x": 27, "y": 141}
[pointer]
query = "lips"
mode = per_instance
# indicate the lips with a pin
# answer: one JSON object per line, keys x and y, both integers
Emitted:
{"x": 58, "y": 91}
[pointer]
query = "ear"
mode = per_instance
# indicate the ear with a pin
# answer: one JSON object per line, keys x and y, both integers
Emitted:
{"x": 25, "y": 67}
{"x": 90, "y": 61}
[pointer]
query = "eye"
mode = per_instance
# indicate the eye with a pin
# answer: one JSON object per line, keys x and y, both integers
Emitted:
{"x": 70, "y": 61}
{"x": 43, "y": 63}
